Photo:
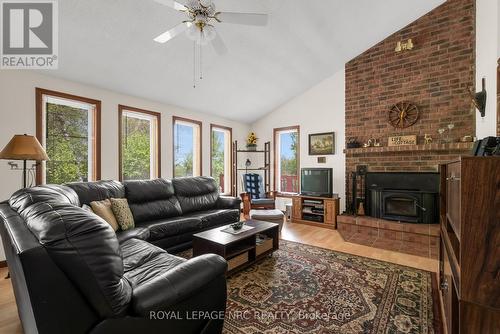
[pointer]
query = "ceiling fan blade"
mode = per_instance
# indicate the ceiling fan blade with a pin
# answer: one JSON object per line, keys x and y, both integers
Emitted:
{"x": 172, "y": 4}
{"x": 243, "y": 18}
{"x": 168, "y": 35}
{"x": 219, "y": 45}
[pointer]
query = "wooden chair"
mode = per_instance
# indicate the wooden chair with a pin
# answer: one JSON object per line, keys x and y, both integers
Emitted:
{"x": 254, "y": 197}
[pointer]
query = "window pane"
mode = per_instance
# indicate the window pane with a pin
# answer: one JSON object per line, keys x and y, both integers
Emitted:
{"x": 137, "y": 148}
{"x": 186, "y": 149}
{"x": 221, "y": 159}
{"x": 67, "y": 143}
{"x": 288, "y": 176}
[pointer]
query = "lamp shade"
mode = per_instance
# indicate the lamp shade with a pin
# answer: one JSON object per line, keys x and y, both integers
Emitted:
{"x": 23, "y": 147}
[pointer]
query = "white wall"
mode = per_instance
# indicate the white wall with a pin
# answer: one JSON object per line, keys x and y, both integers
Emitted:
{"x": 320, "y": 109}
{"x": 487, "y": 53}
{"x": 17, "y": 115}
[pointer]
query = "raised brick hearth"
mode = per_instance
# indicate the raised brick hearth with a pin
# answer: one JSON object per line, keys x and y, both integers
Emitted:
{"x": 415, "y": 239}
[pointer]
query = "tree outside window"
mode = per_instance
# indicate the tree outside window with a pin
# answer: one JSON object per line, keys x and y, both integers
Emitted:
{"x": 139, "y": 144}
{"x": 67, "y": 126}
{"x": 187, "y": 147}
{"x": 287, "y": 160}
{"x": 220, "y": 154}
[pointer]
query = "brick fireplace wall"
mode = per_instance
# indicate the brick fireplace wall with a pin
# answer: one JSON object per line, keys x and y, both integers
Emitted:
{"x": 435, "y": 76}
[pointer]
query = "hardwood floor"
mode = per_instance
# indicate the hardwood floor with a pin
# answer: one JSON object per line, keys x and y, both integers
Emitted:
{"x": 316, "y": 236}
{"x": 9, "y": 321}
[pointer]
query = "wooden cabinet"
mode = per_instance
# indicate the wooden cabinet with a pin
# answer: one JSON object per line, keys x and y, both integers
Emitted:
{"x": 316, "y": 211}
{"x": 469, "y": 268}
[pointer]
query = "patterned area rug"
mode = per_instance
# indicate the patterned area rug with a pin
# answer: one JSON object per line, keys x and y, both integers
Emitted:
{"x": 306, "y": 289}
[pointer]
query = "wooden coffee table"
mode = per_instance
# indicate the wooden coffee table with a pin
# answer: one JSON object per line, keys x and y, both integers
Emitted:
{"x": 240, "y": 250}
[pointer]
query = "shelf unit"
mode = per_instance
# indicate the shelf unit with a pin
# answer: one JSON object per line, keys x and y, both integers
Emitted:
{"x": 266, "y": 168}
{"x": 469, "y": 256}
{"x": 327, "y": 219}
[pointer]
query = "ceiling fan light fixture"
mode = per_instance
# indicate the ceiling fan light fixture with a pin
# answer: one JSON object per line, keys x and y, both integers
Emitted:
{"x": 206, "y": 3}
{"x": 209, "y": 33}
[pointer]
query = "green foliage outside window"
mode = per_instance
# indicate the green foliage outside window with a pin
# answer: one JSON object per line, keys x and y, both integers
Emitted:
{"x": 66, "y": 144}
{"x": 136, "y": 149}
{"x": 289, "y": 164}
{"x": 184, "y": 165}
{"x": 218, "y": 157}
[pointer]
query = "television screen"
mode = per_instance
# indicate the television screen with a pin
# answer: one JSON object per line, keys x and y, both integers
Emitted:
{"x": 316, "y": 181}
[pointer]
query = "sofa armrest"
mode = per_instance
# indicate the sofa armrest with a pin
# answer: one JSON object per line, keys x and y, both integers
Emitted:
{"x": 227, "y": 202}
{"x": 177, "y": 284}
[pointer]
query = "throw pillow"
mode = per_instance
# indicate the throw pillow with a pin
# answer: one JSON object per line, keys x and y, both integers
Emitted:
{"x": 122, "y": 213}
{"x": 103, "y": 210}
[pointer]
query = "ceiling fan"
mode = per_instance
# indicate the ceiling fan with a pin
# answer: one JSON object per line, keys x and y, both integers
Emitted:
{"x": 200, "y": 24}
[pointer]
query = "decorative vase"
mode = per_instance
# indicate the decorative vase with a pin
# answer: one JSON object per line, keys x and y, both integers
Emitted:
{"x": 252, "y": 147}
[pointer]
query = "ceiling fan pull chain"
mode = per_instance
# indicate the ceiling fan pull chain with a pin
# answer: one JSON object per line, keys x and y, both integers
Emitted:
{"x": 194, "y": 64}
{"x": 201, "y": 68}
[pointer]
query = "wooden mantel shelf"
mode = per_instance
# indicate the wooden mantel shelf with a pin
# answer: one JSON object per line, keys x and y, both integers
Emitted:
{"x": 410, "y": 148}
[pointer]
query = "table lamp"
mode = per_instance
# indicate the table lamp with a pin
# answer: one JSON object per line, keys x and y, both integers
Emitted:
{"x": 24, "y": 147}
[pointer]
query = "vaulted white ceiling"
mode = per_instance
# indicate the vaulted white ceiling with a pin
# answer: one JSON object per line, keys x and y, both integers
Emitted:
{"x": 109, "y": 44}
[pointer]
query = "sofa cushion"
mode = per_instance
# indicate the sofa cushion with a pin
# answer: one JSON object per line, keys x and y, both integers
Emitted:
{"x": 103, "y": 210}
{"x": 152, "y": 199}
{"x": 143, "y": 261}
{"x": 196, "y": 193}
{"x": 141, "y": 233}
{"x": 162, "y": 228}
{"x": 122, "y": 213}
{"x": 212, "y": 218}
{"x": 97, "y": 191}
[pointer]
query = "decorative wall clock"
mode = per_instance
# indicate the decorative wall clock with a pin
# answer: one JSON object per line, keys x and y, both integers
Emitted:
{"x": 403, "y": 115}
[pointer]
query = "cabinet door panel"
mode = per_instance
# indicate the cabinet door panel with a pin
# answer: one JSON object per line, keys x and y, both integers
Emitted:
{"x": 453, "y": 196}
{"x": 329, "y": 212}
{"x": 296, "y": 208}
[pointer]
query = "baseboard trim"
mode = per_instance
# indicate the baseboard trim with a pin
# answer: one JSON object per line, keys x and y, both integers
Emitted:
{"x": 3, "y": 264}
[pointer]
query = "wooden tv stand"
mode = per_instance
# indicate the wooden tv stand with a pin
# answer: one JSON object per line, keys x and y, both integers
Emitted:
{"x": 306, "y": 210}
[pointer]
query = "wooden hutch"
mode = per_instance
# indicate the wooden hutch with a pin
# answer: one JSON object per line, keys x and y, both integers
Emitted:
{"x": 469, "y": 259}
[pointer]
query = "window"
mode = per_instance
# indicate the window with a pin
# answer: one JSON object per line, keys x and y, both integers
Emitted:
{"x": 220, "y": 157}
{"x": 286, "y": 160}
{"x": 187, "y": 147}
{"x": 139, "y": 140}
{"x": 69, "y": 128}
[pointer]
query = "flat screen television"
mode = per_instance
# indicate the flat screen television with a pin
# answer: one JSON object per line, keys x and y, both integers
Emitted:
{"x": 316, "y": 182}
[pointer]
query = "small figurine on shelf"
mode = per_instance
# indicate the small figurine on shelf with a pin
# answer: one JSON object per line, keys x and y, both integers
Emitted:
{"x": 376, "y": 143}
{"x": 441, "y": 132}
{"x": 467, "y": 139}
{"x": 369, "y": 143}
{"x": 450, "y": 127}
{"x": 252, "y": 142}
{"x": 427, "y": 138}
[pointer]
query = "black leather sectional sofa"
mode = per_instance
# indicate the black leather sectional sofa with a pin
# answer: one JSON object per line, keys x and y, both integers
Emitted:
{"x": 72, "y": 274}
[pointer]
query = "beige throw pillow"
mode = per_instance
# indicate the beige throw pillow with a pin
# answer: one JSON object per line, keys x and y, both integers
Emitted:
{"x": 122, "y": 213}
{"x": 103, "y": 210}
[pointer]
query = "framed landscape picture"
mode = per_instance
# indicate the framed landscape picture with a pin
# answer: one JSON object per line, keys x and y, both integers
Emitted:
{"x": 322, "y": 143}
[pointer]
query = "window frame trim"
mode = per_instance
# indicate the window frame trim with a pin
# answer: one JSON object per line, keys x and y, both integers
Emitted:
{"x": 222, "y": 127}
{"x": 200, "y": 150}
{"x": 275, "y": 158}
{"x": 96, "y": 127}
{"x": 124, "y": 108}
